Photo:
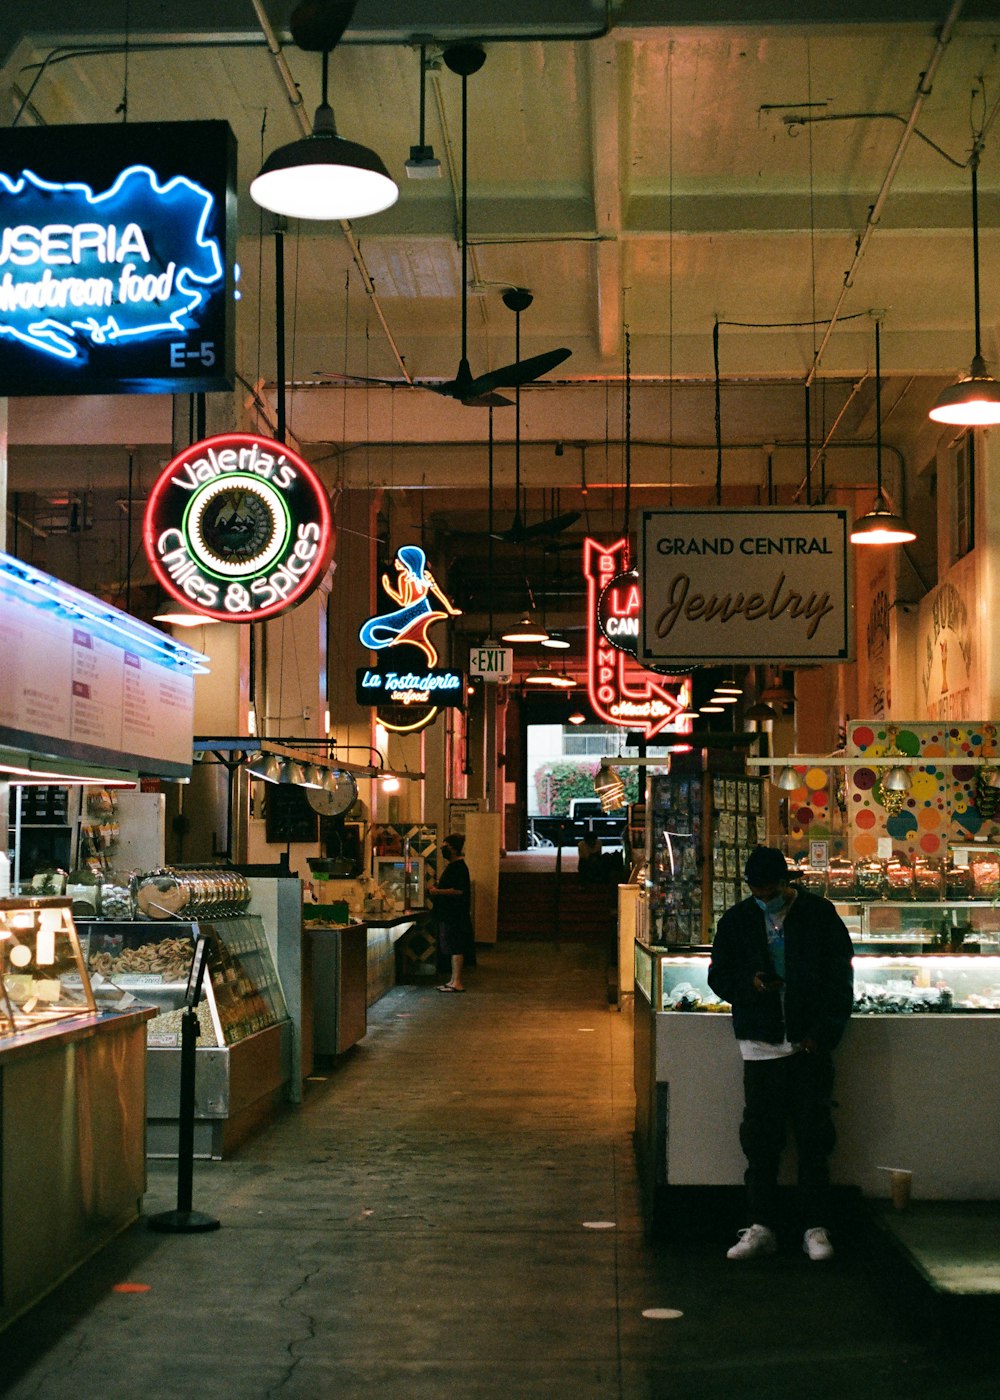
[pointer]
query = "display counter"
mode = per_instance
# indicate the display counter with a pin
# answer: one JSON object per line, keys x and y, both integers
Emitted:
{"x": 353, "y": 966}
{"x": 916, "y": 1071}
{"x": 244, "y": 1046}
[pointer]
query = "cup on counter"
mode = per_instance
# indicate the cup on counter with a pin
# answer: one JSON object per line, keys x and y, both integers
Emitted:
{"x": 900, "y": 1186}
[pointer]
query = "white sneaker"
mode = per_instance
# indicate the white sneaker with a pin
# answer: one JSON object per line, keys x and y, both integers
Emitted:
{"x": 755, "y": 1241}
{"x": 816, "y": 1243}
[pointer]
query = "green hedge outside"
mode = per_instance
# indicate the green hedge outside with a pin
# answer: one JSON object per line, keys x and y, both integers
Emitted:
{"x": 557, "y": 783}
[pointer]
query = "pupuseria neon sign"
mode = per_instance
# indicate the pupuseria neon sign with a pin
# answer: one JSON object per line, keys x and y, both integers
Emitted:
{"x": 621, "y": 692}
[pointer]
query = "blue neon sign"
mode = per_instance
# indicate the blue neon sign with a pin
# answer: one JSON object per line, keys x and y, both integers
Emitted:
{"x": 116, "y": 259}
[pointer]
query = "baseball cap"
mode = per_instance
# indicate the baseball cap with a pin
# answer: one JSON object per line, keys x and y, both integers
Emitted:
{"x": 767, "y": 866}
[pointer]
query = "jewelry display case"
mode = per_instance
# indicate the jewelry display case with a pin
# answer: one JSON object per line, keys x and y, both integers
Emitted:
{"x": 43, "y": 976}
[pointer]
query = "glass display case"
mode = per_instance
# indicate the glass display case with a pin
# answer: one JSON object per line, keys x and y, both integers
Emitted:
{"x": 148, "y": 963}
{"x": 931, "y": 982}
{"x": 43, "y": 975}
{"x": 701, "y": 824}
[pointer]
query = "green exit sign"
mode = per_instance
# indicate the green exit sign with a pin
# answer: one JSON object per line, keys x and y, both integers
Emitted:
{"x": 492, "y": 663}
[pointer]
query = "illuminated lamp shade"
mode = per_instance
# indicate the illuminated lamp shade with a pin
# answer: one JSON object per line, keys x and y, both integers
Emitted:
{"x": 556, "y": 641}
{"x": 609, "y": 787}
{"x": 562, "y": 680}
{"x": 896, "y": 780}
{"x": 688, "y": 714}
{"x": 787, "y": 780}
{"x": 728, "y": 688}
{"x": 973, "y": 402}
{"x": 777, "y": 694}
{"x": 712, "y": 710}
{"x": 267, "y": 766}
{"x": 541, "y": 675}
{"x": 292, "y": 771}
{"x": 724, "y": 698}
{"x": 880, "y": 525}
{"x": 577, "y": 717}
{"x": 313, "y": 776}
{"x": 390, "y": 783}
{"x": 526, "y": 630}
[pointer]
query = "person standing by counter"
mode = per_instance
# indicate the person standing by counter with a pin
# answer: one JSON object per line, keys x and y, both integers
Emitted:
{"x": 782, "y": 959}
{"x": 451, "y": 898}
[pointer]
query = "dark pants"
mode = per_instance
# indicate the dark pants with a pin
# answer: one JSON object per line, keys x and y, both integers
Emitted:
{"x": 796, "y": 1089}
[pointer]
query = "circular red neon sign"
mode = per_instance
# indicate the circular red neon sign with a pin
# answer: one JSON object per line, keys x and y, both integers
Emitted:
{"x": 238, "y": 527}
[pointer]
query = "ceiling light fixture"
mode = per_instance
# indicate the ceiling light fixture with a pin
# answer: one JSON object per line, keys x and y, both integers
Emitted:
{"x": 267, "y": 766}
{"x": 423, "y": 164}
{"x": 577, "y": 717}
{"x": 556, "y": 640}
{"x": 541, "y": 675}
{"x": 323, "y": 176}
{"x": 880, "y": 525}
{"x": 787, "y": 780}
{"x": 711, "y": 710}
{"x": 760, "y": 711}
{"x": 609, "y": 787}
{"x": 526, "y": 630}
{"x": 176, "y": 615}
{"x": 973, "y": 402}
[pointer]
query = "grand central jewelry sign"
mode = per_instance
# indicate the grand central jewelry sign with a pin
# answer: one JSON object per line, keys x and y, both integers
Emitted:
{"x": 744, "y": 585}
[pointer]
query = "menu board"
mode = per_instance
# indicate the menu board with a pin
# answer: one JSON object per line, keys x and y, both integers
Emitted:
{"x": 108, "y": 691}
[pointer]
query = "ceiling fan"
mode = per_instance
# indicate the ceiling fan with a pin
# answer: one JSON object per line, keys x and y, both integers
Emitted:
{"x": 518, "y": 299}
{"x": 475, "y": 391}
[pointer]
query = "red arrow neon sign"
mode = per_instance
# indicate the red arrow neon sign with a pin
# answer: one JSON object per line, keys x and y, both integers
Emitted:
{"x": 622, "y": 692}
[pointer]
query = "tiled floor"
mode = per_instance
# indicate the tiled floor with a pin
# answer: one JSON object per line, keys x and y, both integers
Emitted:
{"x": 419, "y": 1229}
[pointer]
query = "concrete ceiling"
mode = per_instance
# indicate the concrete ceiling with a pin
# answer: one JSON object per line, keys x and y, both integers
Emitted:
{"x": 646, "y": 169}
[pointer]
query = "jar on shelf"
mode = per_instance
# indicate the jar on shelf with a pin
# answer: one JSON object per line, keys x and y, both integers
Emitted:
{"x": 985, "y": 876}
{"x": 899, "y": 878}
{"x": 928, "y": 878}
{"x": 116, "y": 900}
{"x": 840, "y": 880}
{"x": 958, "y": 882}
{"x": 870, "y": 879}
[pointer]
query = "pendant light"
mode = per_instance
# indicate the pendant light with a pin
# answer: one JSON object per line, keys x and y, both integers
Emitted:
{"x": 526, "y": 630}
{"x": 880, "y": 525}
{"x": 323, "y": 176}
{"x": 787, "y": 780}
{"x": 973, "y": 402}
{"x": 556, "y": 640}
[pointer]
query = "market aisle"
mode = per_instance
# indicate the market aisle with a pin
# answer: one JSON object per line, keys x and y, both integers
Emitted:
{"x": 415, "y": 1231}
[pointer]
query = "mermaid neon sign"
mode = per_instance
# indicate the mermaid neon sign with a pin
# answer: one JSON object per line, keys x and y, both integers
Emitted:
{"x": 420, "y": 602}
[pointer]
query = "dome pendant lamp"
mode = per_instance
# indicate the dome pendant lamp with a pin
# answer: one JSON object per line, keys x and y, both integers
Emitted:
{"x": 323, "y": 176}
{"x": 973, "y": 402}
{"x": 880, "y": 525}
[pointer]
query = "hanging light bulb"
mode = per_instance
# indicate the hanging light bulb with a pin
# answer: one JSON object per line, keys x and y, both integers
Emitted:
{"x": 609, "y": 787}
{"x": 974, "y": 402}
{"x": 880, "y": 525}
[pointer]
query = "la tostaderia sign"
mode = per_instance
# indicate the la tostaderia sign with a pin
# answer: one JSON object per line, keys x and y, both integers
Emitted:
{"x": 238, "y": 527}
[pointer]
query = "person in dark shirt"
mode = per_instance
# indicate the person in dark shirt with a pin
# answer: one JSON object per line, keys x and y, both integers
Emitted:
{"x": 452, "y": 901}
{"x": 782, "y": 959}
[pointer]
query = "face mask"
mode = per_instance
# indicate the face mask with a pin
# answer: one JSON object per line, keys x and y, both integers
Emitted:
{"x": 771, "y": 906}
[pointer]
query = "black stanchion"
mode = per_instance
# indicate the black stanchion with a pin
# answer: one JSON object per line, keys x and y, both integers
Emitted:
{"x": 184, "y": 1220}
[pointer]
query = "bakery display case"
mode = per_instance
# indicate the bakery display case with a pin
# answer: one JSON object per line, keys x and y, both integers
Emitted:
{"x": 244, "y": 1042}
{"x": 43, "y": 976}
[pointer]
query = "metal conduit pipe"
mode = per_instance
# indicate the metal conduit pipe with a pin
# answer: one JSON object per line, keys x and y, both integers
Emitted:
{"x": 875, "y": 213}
{"x": 298, "y": 108}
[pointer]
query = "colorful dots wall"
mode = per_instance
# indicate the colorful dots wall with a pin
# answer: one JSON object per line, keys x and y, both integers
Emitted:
{"x": 940, "y": 809}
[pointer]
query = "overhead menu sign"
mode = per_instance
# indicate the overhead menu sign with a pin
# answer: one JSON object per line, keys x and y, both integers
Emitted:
{"x": 744, "y": 585}
{"x": 117, "y": 247}
{"x": 82, "y": 680}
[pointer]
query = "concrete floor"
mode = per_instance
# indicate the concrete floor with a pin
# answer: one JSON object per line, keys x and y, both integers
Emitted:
{"x": 418, "y": 1230}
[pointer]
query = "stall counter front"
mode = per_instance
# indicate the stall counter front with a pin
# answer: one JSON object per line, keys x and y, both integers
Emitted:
{"x": 72, "y": 1148}
{"x": 353, "y": 966}
{"x": 915, "y": 1088}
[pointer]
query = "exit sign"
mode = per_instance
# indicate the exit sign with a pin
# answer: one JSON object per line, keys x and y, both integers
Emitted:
{"x": 492, "y": 663}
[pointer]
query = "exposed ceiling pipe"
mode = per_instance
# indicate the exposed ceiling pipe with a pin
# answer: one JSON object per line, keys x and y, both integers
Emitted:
{"x": 875, "y": 213}
{"x": 295, "y": 101}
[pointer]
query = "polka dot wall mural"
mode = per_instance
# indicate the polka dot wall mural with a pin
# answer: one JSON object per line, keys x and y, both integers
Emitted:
{"x": 944, "y": 803}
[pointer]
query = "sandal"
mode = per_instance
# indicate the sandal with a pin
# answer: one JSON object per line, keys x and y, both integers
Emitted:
{"x": 447, "y": 987}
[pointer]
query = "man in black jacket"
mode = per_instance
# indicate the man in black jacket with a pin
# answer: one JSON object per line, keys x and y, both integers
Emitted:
{"x": 782, "y": 959}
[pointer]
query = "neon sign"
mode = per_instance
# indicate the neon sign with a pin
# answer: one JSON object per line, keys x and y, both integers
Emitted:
{"x": 401, "y": 687}
{"x": 115, "y": 244}
{"x": 620, "y": 691}
{"x": 419, "y": 603}
{"x": 238, "y": 527}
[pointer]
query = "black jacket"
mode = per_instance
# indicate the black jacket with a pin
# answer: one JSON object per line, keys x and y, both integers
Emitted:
{"x": 819, "y": 981}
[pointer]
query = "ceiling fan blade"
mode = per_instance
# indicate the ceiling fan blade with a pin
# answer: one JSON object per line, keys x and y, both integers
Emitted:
{"x": 520, "y": 372}
{"x": 555, "y": 526}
